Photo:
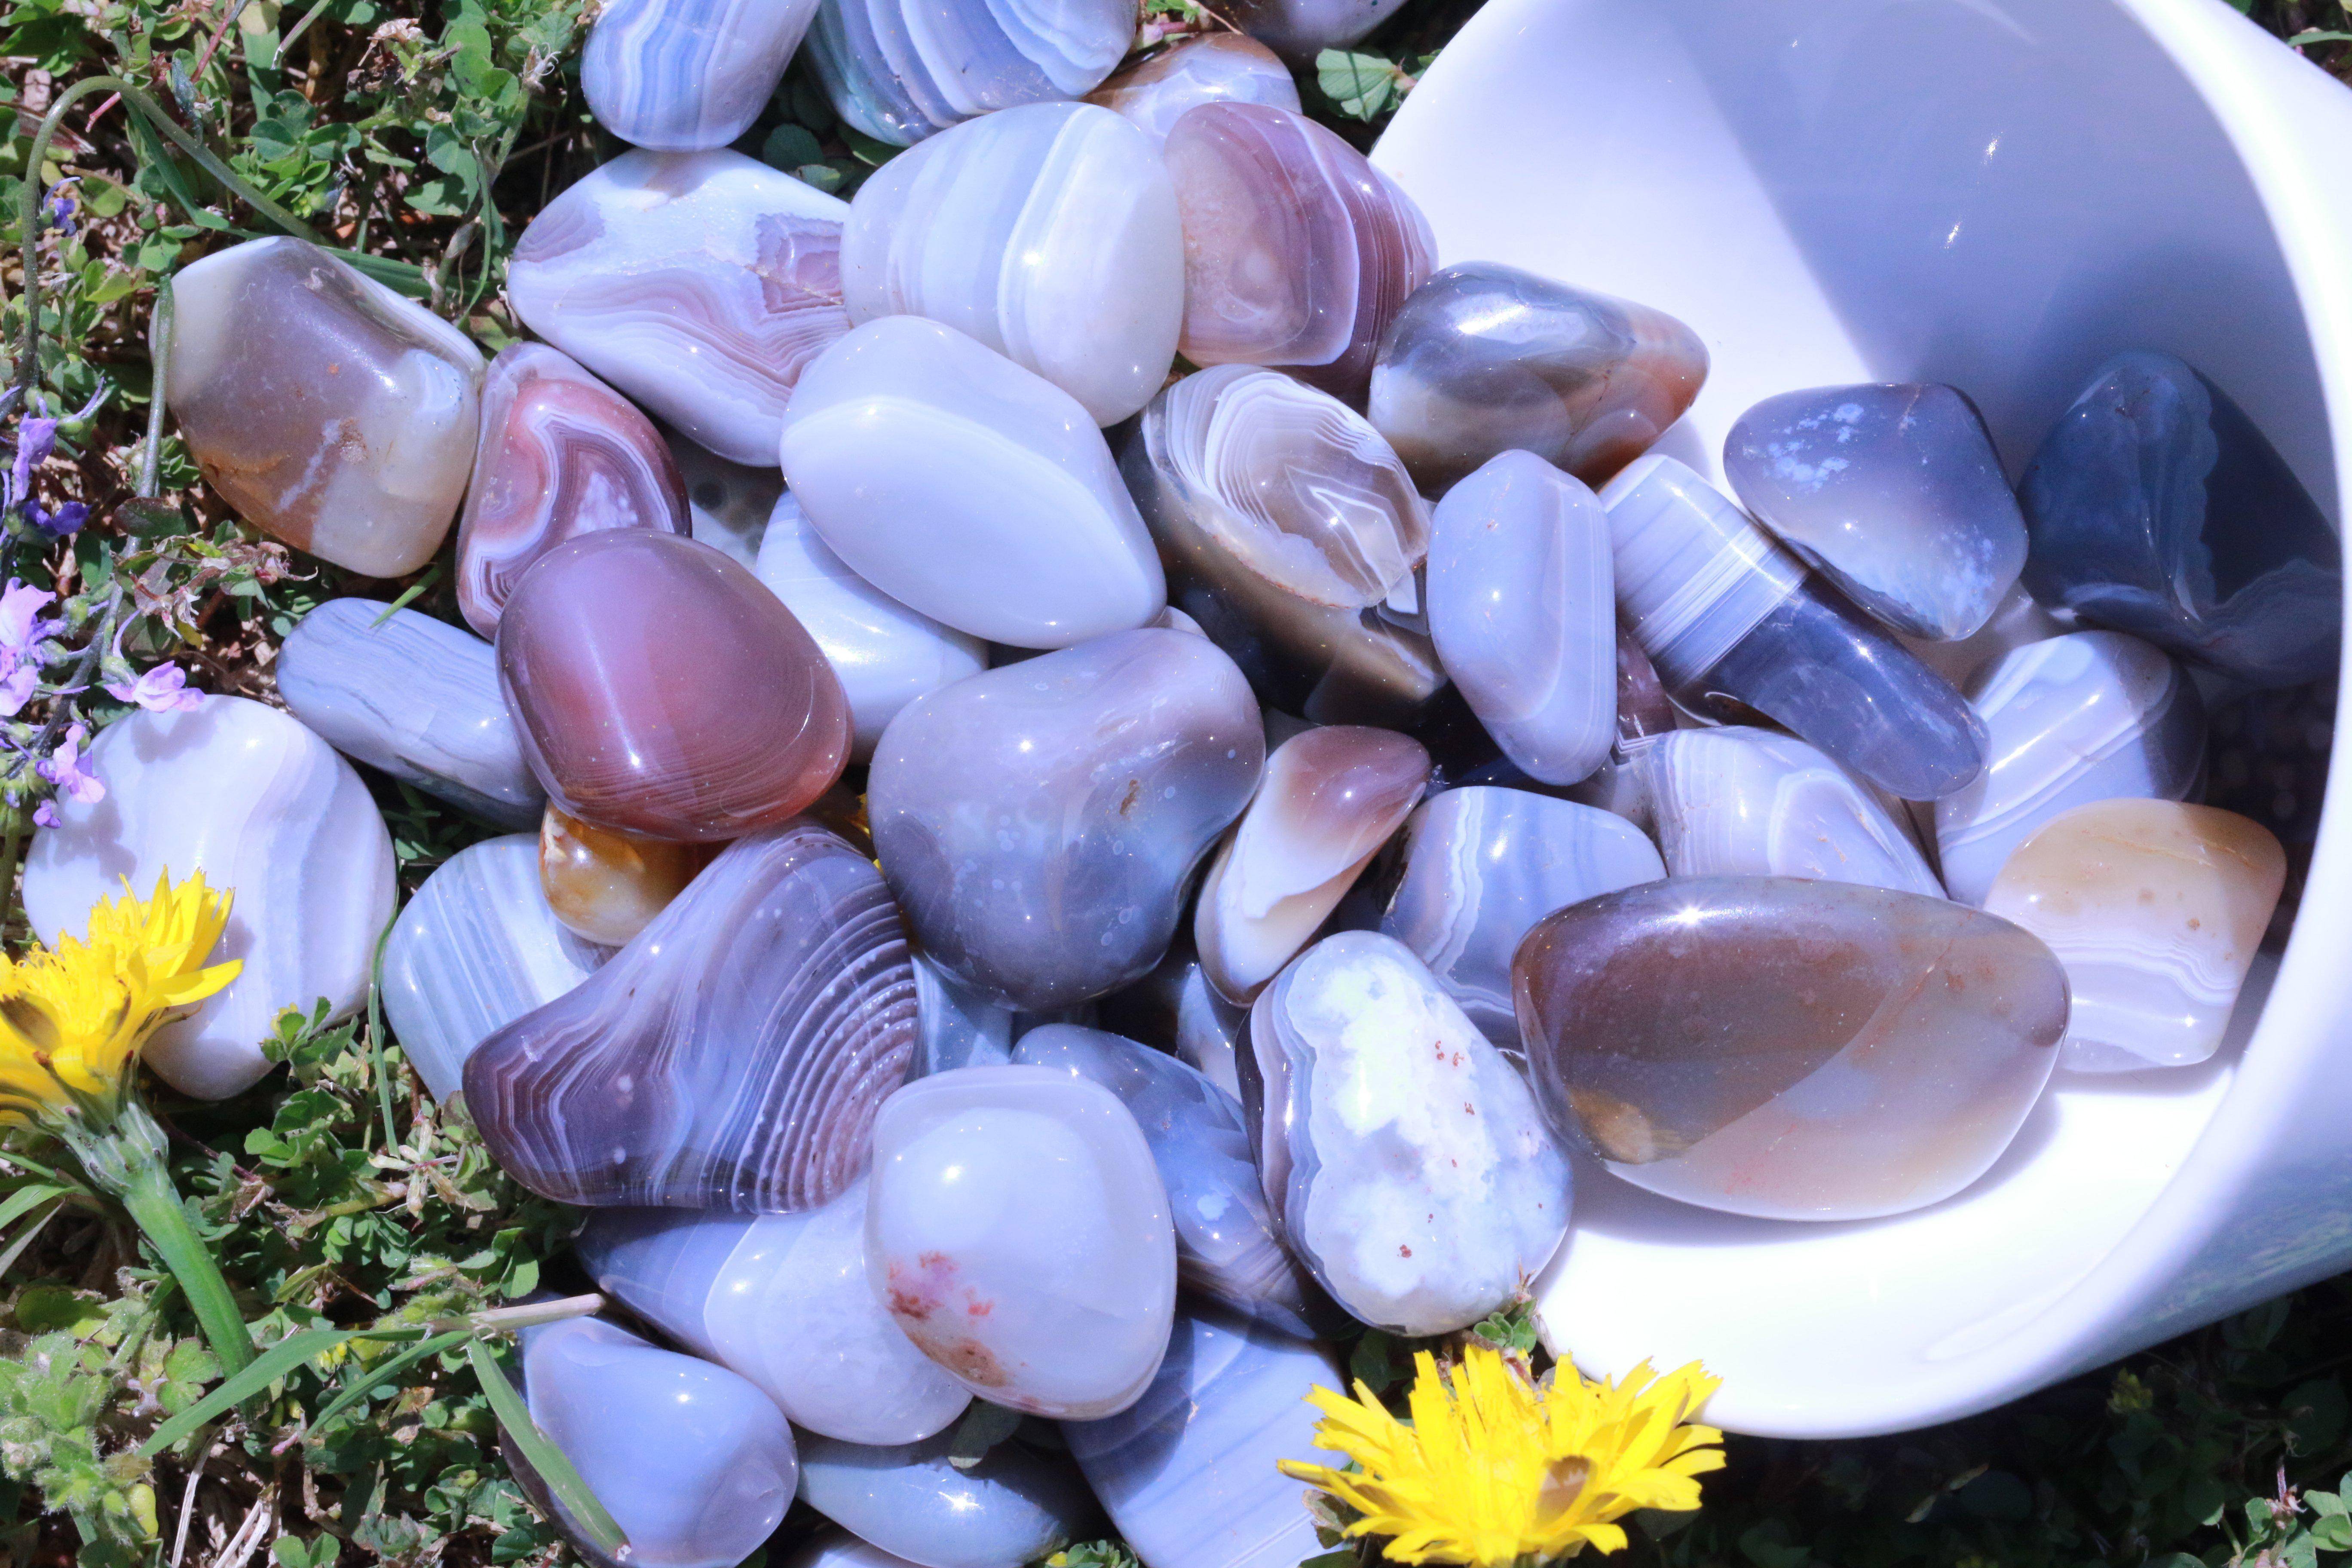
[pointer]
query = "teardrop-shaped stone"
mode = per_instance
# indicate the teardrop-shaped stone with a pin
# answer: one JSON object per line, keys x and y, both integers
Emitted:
{"x": 1740, "y": 802}
{"x": 605, "y": 884}
{"x": 1790, "y": 1049}
{"x": 1015, "y": 1505}
{"x": 1018, "y": 1232}
{"x": 1208, "y": 68}
{"x": 732, "y": 1056}
{"x": 1039, "y": 823}
{"x": 661, "y": 689}
{"x": 686, "y": 73}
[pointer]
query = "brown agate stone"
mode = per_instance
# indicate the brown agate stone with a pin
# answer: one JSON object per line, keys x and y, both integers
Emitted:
{"x": 604, "y": 884}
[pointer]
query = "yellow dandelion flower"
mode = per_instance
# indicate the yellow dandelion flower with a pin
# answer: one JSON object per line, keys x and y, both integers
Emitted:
{"x": 1492, "y": 1471}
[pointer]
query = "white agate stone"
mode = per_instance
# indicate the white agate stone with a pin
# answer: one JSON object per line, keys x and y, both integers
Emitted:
{"x": 683, "y": 75}
{"x": 1046, "y": 232}
{"x": 839, "y": 1548}
{"x": 2071, "y": 719}
{"x": 476, "y": 948}
{"x": 1016, "y": 1506}
{"x": 259, "y": 804}
{"x": 1522, "y": 604}
{"x": 782, "y": 1300}
{"x": 885, "y": 654}
{"x": 727, "y": 503}
{"x": 968, "y": 489}
{"x": 1739, "y": 802}
{"x": 1018, "y": 1230}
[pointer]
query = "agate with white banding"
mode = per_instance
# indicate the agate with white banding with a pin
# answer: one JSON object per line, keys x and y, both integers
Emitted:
{"x": 1210, "y": 68}
{"x": 2074, "y": 719}
{"x": 1738, "y": 802}
{"x": 782, "y": 1300}
{"x": 1402, "y": 1154}
{"x": 1018, "y": 1232}
{"x": 2156, "y": 909}
{"x": 699, "y": 283}
{"x": 264, "y": 809}
{"x": 684, "y": 75}
{"x": 1039, "y": 823}
{"x": 1046, "y": 232}
{"x": 730, "y": 1057}
{"x": 415, "y": 697}
{"x": 332, "y": 413}
{"x": 605, "y": 884}
{"x": 476, "y": 948}
{"x": 968, "y": 489}
{"x": 1014, "y": 1505}
{"x": 900, "y": 72}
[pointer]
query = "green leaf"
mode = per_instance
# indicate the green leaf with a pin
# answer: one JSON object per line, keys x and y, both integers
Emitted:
{"x": 983, "y": 1428}
{"x": 367, "y": 1380}
{"x": 866, "y": 150}
{"x": 1374, "y": 1362}
{"x": 1360, "y": 86}
{"x": 2320, "y": 36}
{"x": 563, "y": 1482}
{"x": 788, "y": 147}
{"x": 294, "y": 1351}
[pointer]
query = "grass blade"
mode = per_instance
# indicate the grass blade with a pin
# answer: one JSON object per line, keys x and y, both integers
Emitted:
{"x": 563, "y": 1481}
{"x": 16, "y": 1249}
{"x": 373, "y": 1377}
{"x": 294, "y": 1351}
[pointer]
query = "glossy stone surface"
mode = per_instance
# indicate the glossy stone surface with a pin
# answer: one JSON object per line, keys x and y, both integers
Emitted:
{"x": 476, "y": 948}
{"x": 1211, "y": 68}
{"x": 782, "y": 1301}
{"x": 1764, "y": 634}
{"x": 2089, "y": 716}
{"x": 1522, "y": 607}
{"x": 1018, "y": 1232}
{"x": 1331, "y": 798}
{"x": 1894, "y": 492}
{"x": 730, "y": 1057}
{"x": 2156, "y": 909}
{"x": 683, "y": 75}
{"x": 694, "y": 1464}
{"x": 1176, "y": 1009}
{"x": 1016, "y": 1505}
{"x": 727, "y": 503}
{"x": 346, "y": 428}
{"x": 660, "y": 689}
{"x": 1790, "y": 1049}
{"x": 1481, "y": 866}
{"x": 1485, "y": 359}
{"x": 1039, "y": 823}
{"x": 699, "y": 283}
{"x": 968, "y": 489}
{"x": 884, "y": 654}
{"x": 561, "y": 454}
{"x": 263, "y": 807}
{"x": 899, "y": 71}
{"x": 1402, "y": 1154}
{"x": 1046, "y": 232}
{"x": 2157, "y": 507}
{"x": 1299, "y": 30}
{"x": 1228, "y": 1246}
{"x": 839, "y": 1548}
{"x": 1739, "y": 802}
{"x": 605, "y": 884}
{"x": 1296, "y": 251}
{"x": 415, "y": 697}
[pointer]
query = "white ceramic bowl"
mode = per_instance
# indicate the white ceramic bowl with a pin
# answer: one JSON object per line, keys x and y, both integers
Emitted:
{"x": 1997, "y": 193}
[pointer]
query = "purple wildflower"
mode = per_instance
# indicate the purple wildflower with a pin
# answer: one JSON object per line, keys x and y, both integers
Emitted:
{"x": 63, "y": 768}
{"x": 62, "y": 523}
{"x": 58, "y": 213}
{"x": 162, "y": 689}
{"x": 21, "y": 631}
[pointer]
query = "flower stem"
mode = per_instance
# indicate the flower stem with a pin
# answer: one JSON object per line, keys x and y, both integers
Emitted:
{"x": 137, "y": 1175}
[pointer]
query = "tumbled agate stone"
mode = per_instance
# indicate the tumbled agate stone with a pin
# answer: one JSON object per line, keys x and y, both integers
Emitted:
{"x": 969, "y": 490}
{"x": 1401, "y": 1152}
{"x": 1892, "y": 492}
{"x": 2074, "y": 719}
{"x": 2156, "y": 909}
{"x": 660, "y": 689}
{"x": 329, "y": 411}
{"x": 2157, "y": 507}
{"x": 1039, "y": 823}
{"x": 900, "y": 72}
{"x": 699, "y": 283}
{"x": 956, "y": 1025}
{"x": 1789, "y": 1049}
{"x": 1296, "y": 251}
{"x": 683, "y": 75}
{"x": 605, "y": 884}
{"x": 1018, "y": 1230}
{"x": 1740, "y": 802}
{"x": 561, "y": 454}
{"x": 1483, "y": 864}
{"x": 415, "y": 697}
{"x": 263, "y": 807}
{"x": 1228, "y": 1246}
{"x": 1175, "y": 1009}
{"x": 782, "y": 1300}
{"x": 1212, "y": 67}
{"x": 1187, "y": 1472}
{"x": 1016, "y": 1505}
{"x": 727, "y": 503}
{"x": 476, "y": 948}
{"x": 730, "y": 1057}
{"x": 693, "y": 1463}
{"x": 839, "y": 1548}
{"x": 1046, "y": 232}
{"x": 1299, "y": 30}
{"x": 1331, "y": 797}
{"x": 1485, "y": 358}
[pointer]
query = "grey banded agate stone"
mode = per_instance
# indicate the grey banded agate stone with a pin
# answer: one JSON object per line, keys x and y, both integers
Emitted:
{"x": 1175, "y": 1009}
{"x": 1016, "y": 1505}
{"x": 1209, "y": 67}
{"x": 1894, "y": 492}
{"x": 684, "y": 75}
{"x": 1789, "y": 1049}
{"x": 1038, "y": 822}
{"x": 733, "y": 1056}
{"x": 900, "y": 72}
{"x": 415, "y": 697}
{"x": 1402, "y": 1153}
{"x": 2157, "y": 507}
